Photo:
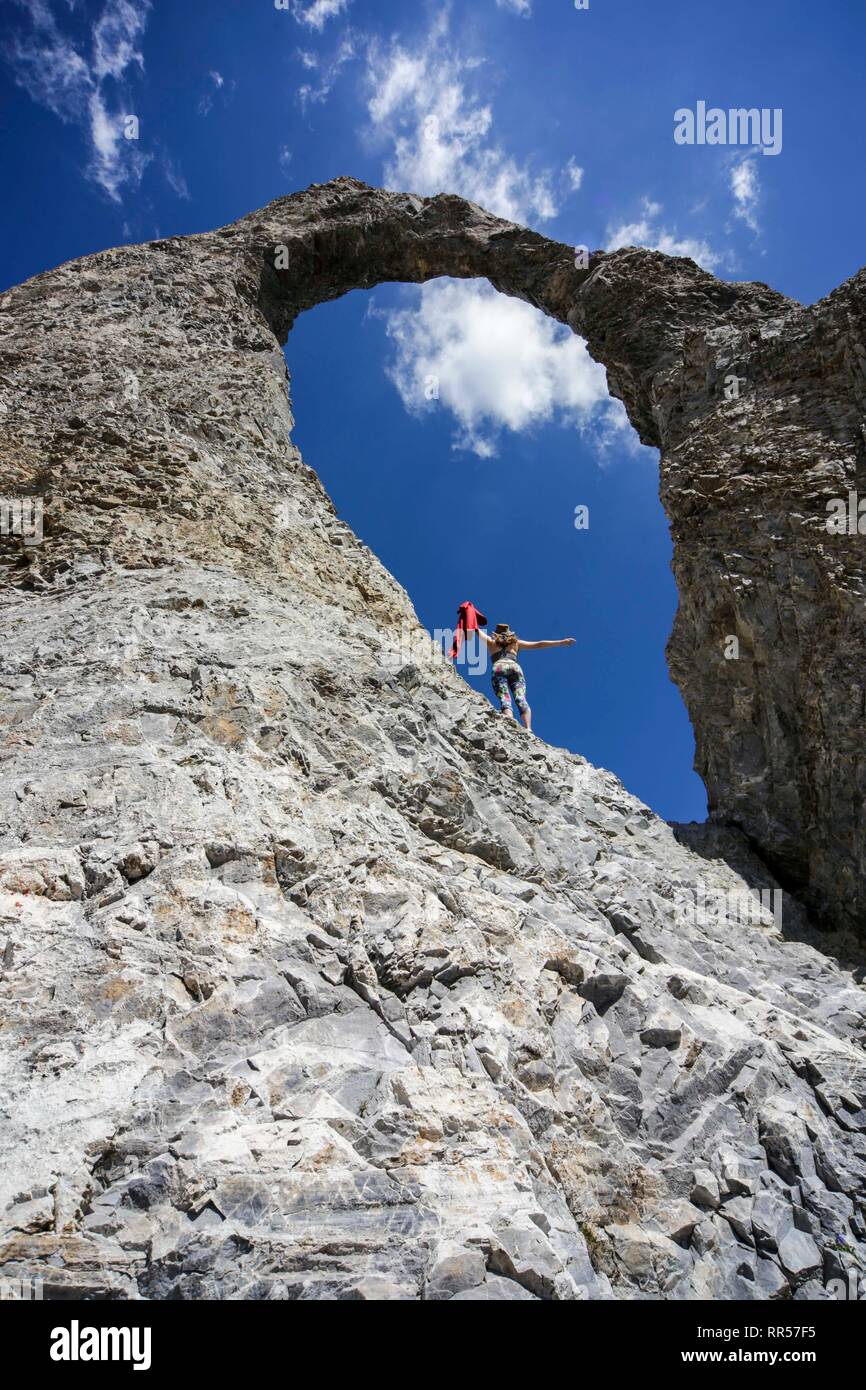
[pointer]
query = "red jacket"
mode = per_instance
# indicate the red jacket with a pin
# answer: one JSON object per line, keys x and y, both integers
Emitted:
{"x": 468, "y": 620}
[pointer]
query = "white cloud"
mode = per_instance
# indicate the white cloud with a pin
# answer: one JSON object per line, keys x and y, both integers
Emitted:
{"x": 613, "y": 434}
{"x": 521, "y": 7}
{"x": 115, "y": 36}
{"x": 745, "y": 187}
{"x": 316, "y": 13}
{"x": 329, "y": 70}
{"x": 496, "y": 363}
{"x": 174, "y": 178}
{"x": 107, "y": 157}
{"x": 425, "y": 106}
{"x": 205, "y": 105}
{"x": 284, "y": 158}
{"x": 54, "y": 73}
{"x": 573, "y": 174}
{"x": 48, "y": 66}
{"x": 647, "y": 231}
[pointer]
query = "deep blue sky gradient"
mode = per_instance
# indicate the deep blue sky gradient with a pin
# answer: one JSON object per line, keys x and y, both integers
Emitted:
{"x": 600, "y": 86}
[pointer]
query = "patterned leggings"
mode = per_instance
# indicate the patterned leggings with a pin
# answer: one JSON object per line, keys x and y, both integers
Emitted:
{"x": 507, "y": 681}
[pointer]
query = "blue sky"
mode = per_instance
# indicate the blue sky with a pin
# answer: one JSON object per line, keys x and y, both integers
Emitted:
{"x": 557, "y": 117}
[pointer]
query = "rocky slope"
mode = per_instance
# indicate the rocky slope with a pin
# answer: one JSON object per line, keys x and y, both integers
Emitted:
{"x": 318, "y": 981}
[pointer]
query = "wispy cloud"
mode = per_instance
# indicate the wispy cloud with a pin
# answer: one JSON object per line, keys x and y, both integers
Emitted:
{"x": 327, "y": 70}
{"x": 316, "y": 13}
{"x": 425, "y": 105}
{"x": 206, "y": 102}
{"x": 746, "y": 188}
{"x": 173, "y": 177}
{"x": 613, "y": 435}
{"x": 115, "y": 36}
{"x": 521, "y": 7}
{"x": 57, "y": 75}
{"x": 47, "y": 66}
{"x": 496, "y": 364}
{"x": 573, "y": 175}
{"x": 648, "y": 231}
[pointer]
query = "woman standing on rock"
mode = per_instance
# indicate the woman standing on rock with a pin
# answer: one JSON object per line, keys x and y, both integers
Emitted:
{"x": 508, "y": 678}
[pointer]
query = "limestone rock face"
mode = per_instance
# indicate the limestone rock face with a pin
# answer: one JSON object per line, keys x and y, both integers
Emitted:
{"x": 316, "y": 979}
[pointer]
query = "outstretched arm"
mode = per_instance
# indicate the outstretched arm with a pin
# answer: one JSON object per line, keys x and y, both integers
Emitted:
{"x": 488, "y": 640}
{"x": 535, "y": 646}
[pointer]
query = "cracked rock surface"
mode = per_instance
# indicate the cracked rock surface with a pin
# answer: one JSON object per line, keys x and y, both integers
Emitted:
{"x": 316, "y": 979}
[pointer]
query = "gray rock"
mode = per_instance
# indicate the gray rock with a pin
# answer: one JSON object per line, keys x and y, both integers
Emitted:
{"x": 315, "y": 974}
{"x": 705, "y": 1192}
{"x": 455, "y": 1273}
{"x": 798, "y": 1254}
{"x": 772, "y": 1219}
{"x": 495, "y": 1290}
{"x": 677, "y": 1220}
{"x": 738, "y": 1211}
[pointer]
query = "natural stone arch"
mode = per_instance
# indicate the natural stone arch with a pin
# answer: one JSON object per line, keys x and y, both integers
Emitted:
{"x": 745, "y": 481}
{"x": 756, "y": 405}
{"x": 343, "y": 987}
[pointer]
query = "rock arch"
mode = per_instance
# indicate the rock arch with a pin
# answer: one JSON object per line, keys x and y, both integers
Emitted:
{"x": 757, "y": 405}
{"x": 340, "y": 986}
{"x": 747, "y": 469}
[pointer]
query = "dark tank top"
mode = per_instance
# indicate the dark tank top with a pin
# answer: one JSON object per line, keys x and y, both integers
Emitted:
{"x": 506, "y": 652}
